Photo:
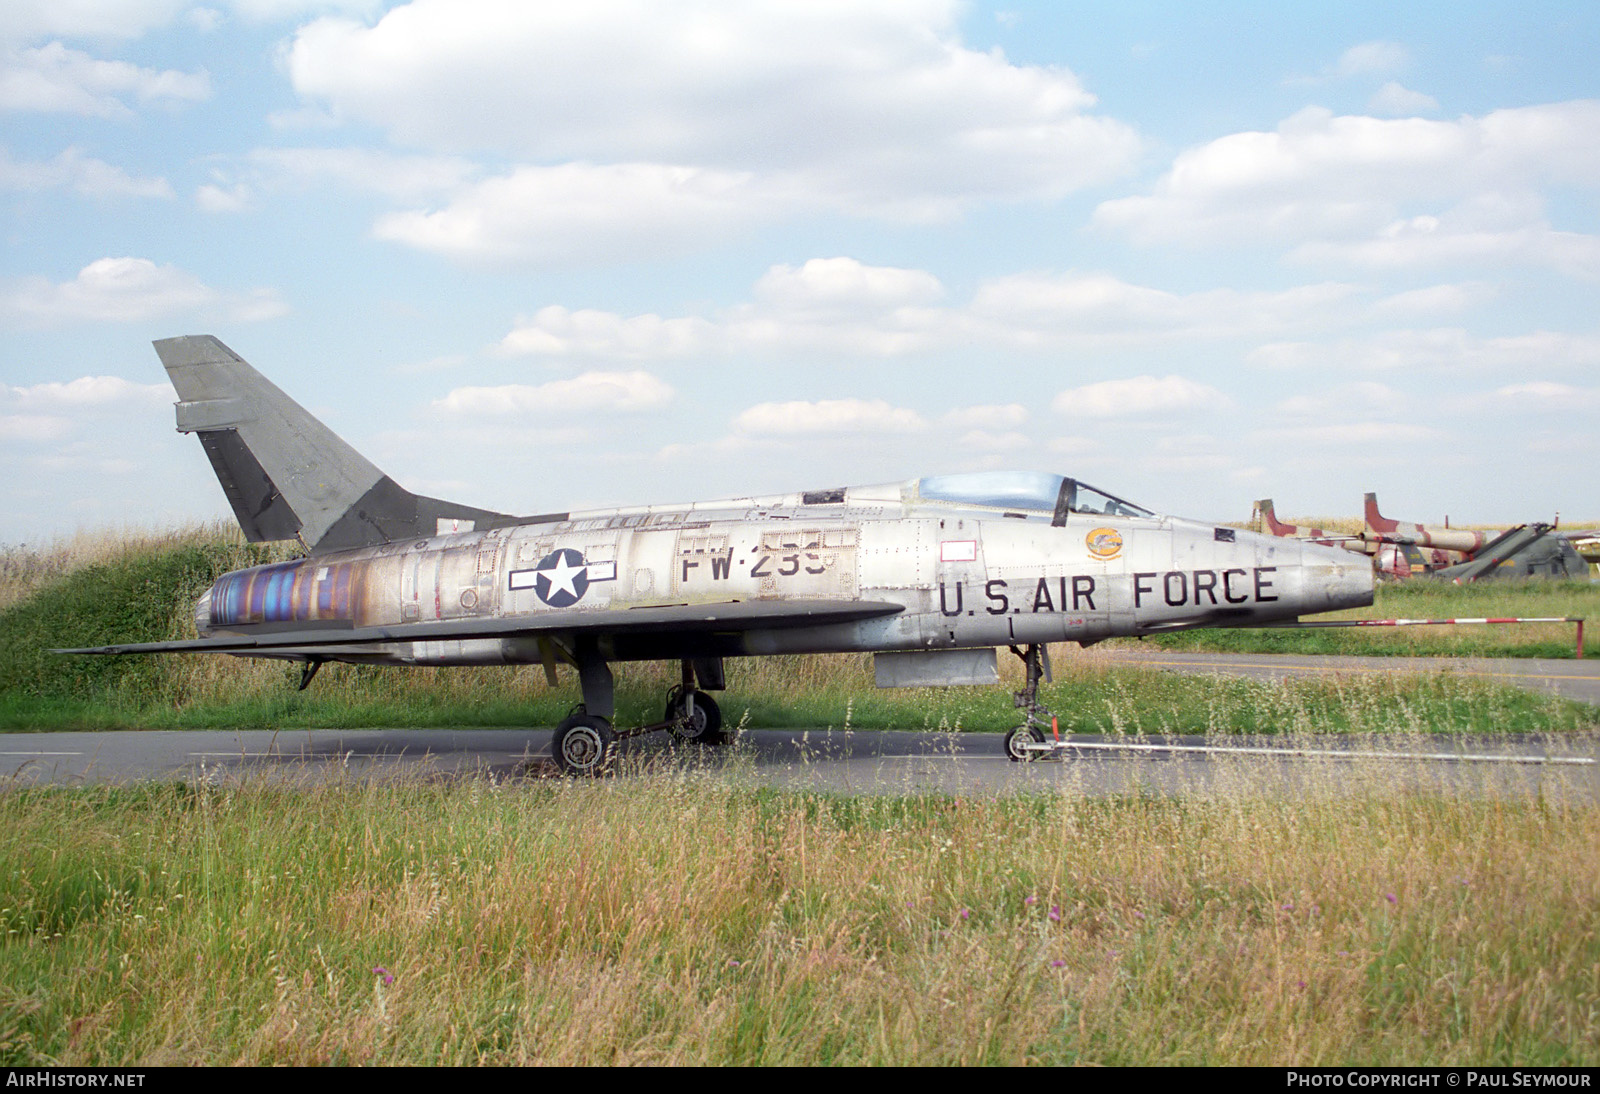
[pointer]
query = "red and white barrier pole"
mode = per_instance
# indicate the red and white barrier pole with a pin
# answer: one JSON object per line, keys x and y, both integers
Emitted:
{"x": 1433, "y": 623}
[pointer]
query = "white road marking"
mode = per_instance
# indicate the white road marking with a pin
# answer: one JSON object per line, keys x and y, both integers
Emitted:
{"x": 1331, "y": 753}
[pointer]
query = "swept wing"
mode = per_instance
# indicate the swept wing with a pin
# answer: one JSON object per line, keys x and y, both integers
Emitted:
{"x": 684, "y": 619}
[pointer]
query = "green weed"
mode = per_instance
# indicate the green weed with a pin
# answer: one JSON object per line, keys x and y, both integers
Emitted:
{"x": 669, "y": 919}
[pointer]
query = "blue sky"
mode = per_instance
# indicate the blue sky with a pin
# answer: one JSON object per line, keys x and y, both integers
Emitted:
{"x": 537, "y": 257}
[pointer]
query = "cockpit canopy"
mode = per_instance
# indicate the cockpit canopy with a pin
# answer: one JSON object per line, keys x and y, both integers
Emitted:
{"x": 1038, "y": 491}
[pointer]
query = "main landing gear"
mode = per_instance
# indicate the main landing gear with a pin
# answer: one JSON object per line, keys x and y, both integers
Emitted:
{"x": 1026, "y": 742}
{"x": 693, "y": 717}
{"x": 585, "y": 741}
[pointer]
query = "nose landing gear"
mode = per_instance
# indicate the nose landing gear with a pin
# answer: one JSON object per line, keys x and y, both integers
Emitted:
{"x": 1026, "y": 742}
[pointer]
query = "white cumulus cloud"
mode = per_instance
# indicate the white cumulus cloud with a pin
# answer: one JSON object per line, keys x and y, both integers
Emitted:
{"x": 55, "y": 411}
{"x": 581, "y": 212}
{"x": 85, "y": 391}
{"x": 54, "y": 79}
{"x": 1369, "y": 57}
{"x": 555, "y": 331}
{"x": 27, "y": 20}
{"x": 845, "y": 307}
{"x": 130, "y": 289}
{"x": 1040, "y": 306}
{"x": 845, "y": 285}
{"x": 1140, "y": 397}
{"x": 1445, "y": 349}
{"x": 239, "y": 183}
{"x": 1396, "y": 100}
{"x": 34, "y": 428}
{"x": 828, "y": 416}
{"x": 73, "y": 170}
{"x": 706, "y": 113}
{"x": 1381, "y": 191}
{"x": 592, "y": 392}
{"x": 1367, "y": 437}
{"x": 1454, "y": 241}
{"x": 1363, "y": 397}
{"x": 1541, "y": 397}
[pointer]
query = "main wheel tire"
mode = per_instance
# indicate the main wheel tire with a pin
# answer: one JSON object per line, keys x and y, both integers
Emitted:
{"x": 583, "y": 745}
{"x": 1014, "y": 751}
{"x": 703, "y": 727}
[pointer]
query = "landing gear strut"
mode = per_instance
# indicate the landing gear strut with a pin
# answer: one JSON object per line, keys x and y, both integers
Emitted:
{"x": 585, "y": 741}
{"x": 1036, "y": 665}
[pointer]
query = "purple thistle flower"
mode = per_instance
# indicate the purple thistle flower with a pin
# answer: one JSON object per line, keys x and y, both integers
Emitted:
{"x": 1055, "y": 913}
{"x": 1058, "y": 963}
{"x": 1031, "y": 901}
{"x": 966, "y": 913}
{"x": 383, "y": 974}
{"x": 1302, "y": 983}
{"x": 1391, "y": 898}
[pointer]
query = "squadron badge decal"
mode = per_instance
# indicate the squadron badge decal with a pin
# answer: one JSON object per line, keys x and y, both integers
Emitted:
{"x": 1104, "y": 543}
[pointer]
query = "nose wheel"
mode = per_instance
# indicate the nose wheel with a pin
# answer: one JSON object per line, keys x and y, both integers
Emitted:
{"x": 1014, "y": 741}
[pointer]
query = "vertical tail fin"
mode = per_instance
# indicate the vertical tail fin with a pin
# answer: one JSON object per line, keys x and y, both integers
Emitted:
{"x": 286, "y": 474}
{"x": 1270, "y": 520}
{"x": 1376, "y": 521}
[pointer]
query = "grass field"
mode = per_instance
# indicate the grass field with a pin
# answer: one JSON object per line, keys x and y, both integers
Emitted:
{"x": 1424, "y": 599}
{"x": 663, "y": 919}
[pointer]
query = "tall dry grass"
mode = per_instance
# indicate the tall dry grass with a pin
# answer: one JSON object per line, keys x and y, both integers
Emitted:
{"x": 25, "y": 568}
{"x": 670, "y": 918}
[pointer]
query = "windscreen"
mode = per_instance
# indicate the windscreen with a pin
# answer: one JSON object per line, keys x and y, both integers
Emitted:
{"x": 999, "y": 489}
{"x": 1035, "y": 490}
{"x": 1084, "y": 498}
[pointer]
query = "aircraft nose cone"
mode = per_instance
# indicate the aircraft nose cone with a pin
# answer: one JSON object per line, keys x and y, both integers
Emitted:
{"x": 1338, "y": 578}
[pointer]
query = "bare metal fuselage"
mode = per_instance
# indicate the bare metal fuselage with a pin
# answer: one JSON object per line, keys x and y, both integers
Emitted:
{"x": 965, "y": 576}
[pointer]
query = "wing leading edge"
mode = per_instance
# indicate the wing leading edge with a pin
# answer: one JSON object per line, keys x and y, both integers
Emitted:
{"x": 738, "y": 615}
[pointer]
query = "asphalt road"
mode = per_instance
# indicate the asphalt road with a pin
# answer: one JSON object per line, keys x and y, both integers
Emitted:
{"x": 835, "y": 761}
{"x": 880, "y": 762}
